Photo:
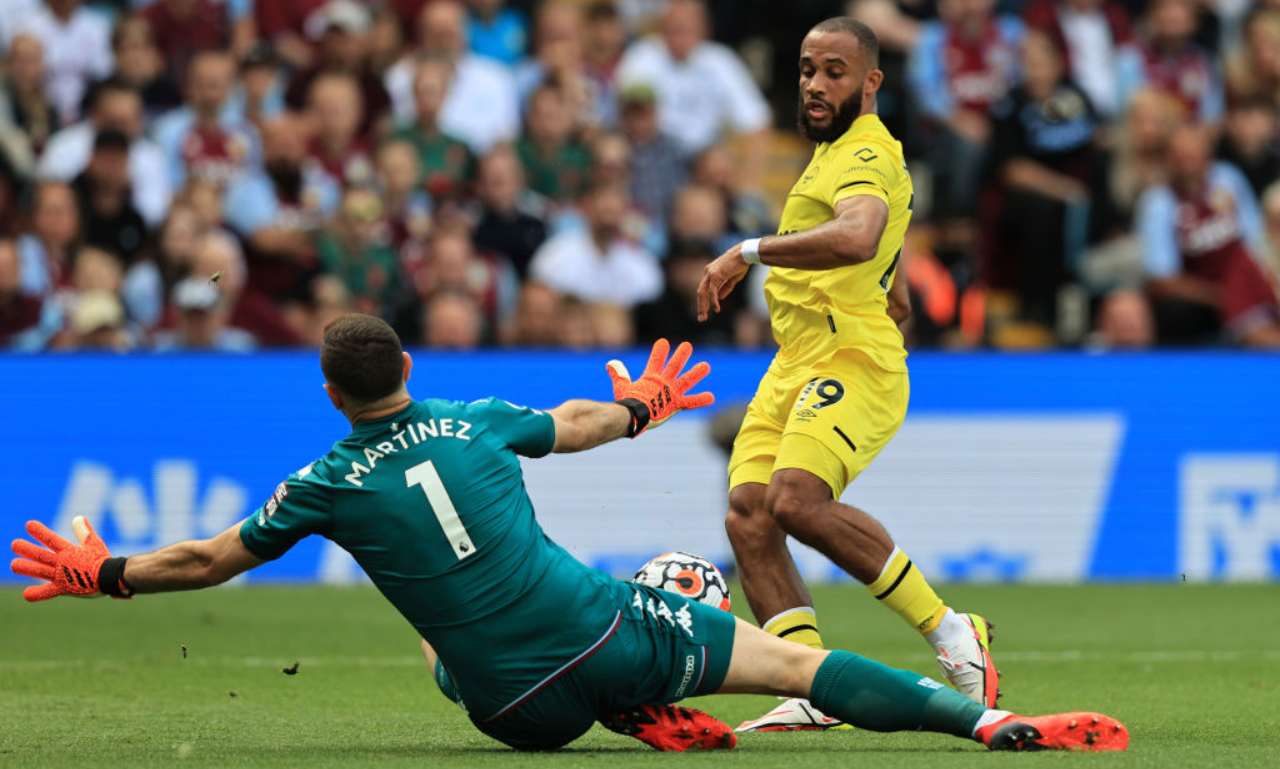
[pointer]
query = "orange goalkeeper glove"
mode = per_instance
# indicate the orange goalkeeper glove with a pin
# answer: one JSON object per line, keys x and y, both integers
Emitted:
{"x": 85, "y": 570}
{"x": 662, "y": 390}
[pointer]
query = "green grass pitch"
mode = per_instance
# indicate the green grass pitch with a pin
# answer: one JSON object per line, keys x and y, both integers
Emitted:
{"x": 1193, "y": 670}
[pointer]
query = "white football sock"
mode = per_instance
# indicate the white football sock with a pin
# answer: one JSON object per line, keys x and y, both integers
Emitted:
{"x": 951, "y": 630}
{"x": 988, "y": 718}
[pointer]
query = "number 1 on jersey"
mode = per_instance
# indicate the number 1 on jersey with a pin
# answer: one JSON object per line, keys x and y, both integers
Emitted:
{"x": 424, "y": 474}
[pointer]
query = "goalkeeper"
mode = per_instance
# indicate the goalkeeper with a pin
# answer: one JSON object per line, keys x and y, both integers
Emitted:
{"x": 429, "y": 498}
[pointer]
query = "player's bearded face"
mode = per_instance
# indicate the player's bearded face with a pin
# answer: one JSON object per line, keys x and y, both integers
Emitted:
{"x": 833, "y": 120}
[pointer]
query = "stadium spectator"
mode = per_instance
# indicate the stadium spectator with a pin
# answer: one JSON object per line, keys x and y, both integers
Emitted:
{"x": 511, "y": 221}
{"x": 673, "y": 315}
{"x": 1092, "y": 33}
{"x": 12, "y": 14}
{"x": 407, "y": 204}
{"x": 272, "y": 323}
{"x": 496, "y": 31}
{"x": 657, "y": 164}
{"x": 329, "y": 302}
{"x": 96, "y": 322}
{"x": 1271, "y": 215}
{"x": 481, "y": 107}
{"x": 577, "y": 329}
{"x": 77, "y": 50}
{"x": 1045, "y": 157}
{"x": 176, "y": 241}
{"x": 749, "y": 213}
{"x": 444, "y": 161}
{"x": 341, "y": 29}
{"x": 1138, "y": 161}
{"x": 278, "y": 209}
{"x": 961, "y": 65}
{"x": 698, "y": 215}
{"x": 95, "y": 270}
{"x": 452, "y": 321}
{"x": 536, "y": 321}
{"x": 642, "y": 16}
{"x": 205, "y": 138}
{"x": 140, "y": 64}
{"x": 1251, "y": 141}
{"x": 613, "y": 326}
{"x": 202, "y": 321}
{"x": 604, "y": 42}
{"x": 336, "y": 146}
{"x": 282, "y": 25}
{"x": 1202, "y": 240}
{"x": 703, "y": 89}
{"x": 184, "y": 28}
{"x": 453, "y": 265}
{"x": 19, "y": 312}
{"x": 385, "y": 41}
{"x": 555, "y": 163}
{"x": 560, "y": 60}
{"x": 260, "y": 92}
{"x": 557, "y": 43}
{"x": 1167, "y": 57}
{"x": 610, "y": 158}
{"x": 115, "y": 106}
{"x": 596, "y": 263}
{"x": 27, "y": 117}
{"x": 260, "y": 95}
{"x": 1253, "y": 71}
{"x": 109, "y": 220}
{"x": 45, "y": 253}
{"x": 1125, "y": 322}
{"x": 354, "y": 248}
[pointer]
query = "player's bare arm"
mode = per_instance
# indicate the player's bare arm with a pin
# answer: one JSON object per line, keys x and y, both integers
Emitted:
{"x": 852, "y": 237}
{"x": 87, "y": 569}
{"x": 190, "y": 565}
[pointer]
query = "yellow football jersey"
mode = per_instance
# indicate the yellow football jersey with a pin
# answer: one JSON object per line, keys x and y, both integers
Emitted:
{"x": 816, "y": 312}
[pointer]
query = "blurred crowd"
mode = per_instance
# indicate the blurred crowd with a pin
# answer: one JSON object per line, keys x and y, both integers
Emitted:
{"x": 232, "y": 174}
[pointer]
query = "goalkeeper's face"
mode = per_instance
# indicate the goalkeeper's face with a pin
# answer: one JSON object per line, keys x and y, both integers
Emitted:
{"x": 834, "y": 76}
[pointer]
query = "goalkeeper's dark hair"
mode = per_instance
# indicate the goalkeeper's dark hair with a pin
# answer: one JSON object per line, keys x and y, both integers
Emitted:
{"x": 867, "y": 39}
{"x": 361, "y": 356}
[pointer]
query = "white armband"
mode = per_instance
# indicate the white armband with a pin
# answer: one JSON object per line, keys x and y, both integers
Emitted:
{"x": 751, "y": 251}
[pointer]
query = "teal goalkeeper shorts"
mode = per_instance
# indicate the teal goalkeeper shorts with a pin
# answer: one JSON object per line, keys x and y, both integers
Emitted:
{"x": 661, "y": 648}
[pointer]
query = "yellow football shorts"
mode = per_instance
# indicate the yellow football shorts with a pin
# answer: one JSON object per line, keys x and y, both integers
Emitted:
{"x": 830, "y": 418}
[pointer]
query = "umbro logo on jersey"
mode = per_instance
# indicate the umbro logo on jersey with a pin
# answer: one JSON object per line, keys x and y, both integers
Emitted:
{"x": 866, "y": 155}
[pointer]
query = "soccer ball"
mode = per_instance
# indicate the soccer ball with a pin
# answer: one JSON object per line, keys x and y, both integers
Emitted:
{"x": 688, "y": 575}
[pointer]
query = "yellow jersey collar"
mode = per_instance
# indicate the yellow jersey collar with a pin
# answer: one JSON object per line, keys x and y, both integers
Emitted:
{"x": 867, "y": 122}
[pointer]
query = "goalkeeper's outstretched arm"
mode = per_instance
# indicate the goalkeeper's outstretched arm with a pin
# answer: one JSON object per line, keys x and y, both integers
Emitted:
{"x": 190, "y": 565}
{"x": 649, "y": 401}
{"x": 88, "y": 569}
{"x": 583, "y": 425}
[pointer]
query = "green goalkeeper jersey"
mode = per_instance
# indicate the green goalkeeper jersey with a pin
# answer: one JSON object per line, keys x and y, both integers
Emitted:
{"x": 431, "y": 503}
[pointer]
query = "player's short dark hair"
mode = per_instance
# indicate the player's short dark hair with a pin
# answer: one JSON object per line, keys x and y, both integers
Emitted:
{"x": 361, "y": 356}
{"x": 867, "y": 39}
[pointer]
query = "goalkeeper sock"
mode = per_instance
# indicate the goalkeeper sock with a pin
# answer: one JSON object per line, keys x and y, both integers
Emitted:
{"x": 874, "y": 696}
{"x": 904, "y": 589}
{"x": 799, "y": 624}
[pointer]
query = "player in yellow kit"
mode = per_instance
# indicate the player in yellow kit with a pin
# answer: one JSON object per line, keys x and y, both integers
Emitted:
{"x": 837, "y": 389}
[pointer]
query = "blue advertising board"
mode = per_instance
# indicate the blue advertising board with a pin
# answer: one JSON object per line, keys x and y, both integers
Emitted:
{"x": 1049, "y": 467}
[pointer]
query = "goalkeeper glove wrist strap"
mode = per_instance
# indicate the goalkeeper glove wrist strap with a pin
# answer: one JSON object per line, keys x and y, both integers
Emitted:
{"x": 639, "y": 415}
{"x": 111, "y": 578}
